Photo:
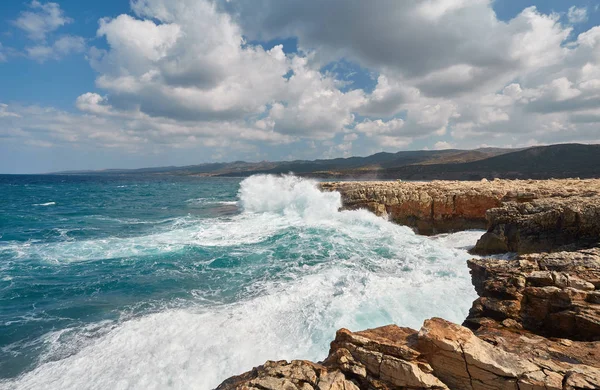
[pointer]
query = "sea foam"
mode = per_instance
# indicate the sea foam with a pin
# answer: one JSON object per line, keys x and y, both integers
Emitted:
{"x": 373, "y": 273}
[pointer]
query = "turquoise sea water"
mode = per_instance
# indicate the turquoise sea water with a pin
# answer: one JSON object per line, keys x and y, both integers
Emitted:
{"x": 149, "y": 282}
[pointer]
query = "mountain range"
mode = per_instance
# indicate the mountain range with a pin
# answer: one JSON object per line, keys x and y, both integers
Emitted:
{"x": 539, "y": 162}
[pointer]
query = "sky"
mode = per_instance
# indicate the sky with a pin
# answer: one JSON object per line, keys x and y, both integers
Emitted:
{"x": 140, "y": 83}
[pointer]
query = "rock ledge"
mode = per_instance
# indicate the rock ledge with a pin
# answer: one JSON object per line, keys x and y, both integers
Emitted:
{"x": 445, "y": 206}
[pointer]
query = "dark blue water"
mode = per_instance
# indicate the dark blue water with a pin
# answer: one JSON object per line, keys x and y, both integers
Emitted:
{"x": 162, "y": 281}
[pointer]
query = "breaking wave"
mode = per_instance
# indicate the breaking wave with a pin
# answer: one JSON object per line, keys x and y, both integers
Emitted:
{"x": 292, "y": 269}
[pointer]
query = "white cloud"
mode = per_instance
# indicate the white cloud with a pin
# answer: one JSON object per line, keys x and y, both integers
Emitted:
{"x": 189, "y": 62}
{"x": 62, "y": 47}
{"x": 102, "y": 126}
{"x": 376, "y": 127}
{"x": 43, "y": 18}
{"x": 414, "y": 38}
{"x": 387, "y": 134}
{"x": 441, "y": 145}
{"x": 2, "y": 55}
{"x": 315, "y": 107}
{"x": 389, "y": 96}
{"x": 441, "y": 62}
{"x": 40, "y": 22}
{"x": 93, "y": 103}
{"x": 350, "y": 137}
{"x": 192, "y": 65}
{"x": 449, "y": 74}
{"x": 68, "y": 44}
{"x": 436, "y": 9}
{"x": 577, "y": 15}
{"x": 4, "y": 113}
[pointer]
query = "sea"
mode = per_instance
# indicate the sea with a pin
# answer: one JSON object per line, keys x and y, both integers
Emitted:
{"x": 178, "y": 282}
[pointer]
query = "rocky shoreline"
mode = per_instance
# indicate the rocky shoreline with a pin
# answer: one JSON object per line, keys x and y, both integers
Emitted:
{"x": 445, "y": 206}
{"x": 536, "y": 323}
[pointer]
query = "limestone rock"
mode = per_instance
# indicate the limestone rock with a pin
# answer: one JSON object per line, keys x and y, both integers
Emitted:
{"x": 296, "y": 375}
{"x": 463, "y": 361}
{"x": 442, "y": 355}
{"x": 541, "y": 225}
{"x": 382, "y": 358}
{"x": 444, "y": 206}
{"x": 552, "y": 294}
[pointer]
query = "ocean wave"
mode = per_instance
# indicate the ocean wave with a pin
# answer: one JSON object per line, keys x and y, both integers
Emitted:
{"x": 45, "y": 204}
{"x": 311, "y": 268}
{"x": 272, "y": 205}
{"x": 197, "y": 347}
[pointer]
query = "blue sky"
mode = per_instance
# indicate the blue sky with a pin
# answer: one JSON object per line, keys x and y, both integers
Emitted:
{"x": 92, "y": 85}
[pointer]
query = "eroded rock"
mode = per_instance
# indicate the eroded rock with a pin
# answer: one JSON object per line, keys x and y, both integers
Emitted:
{"x": 442, "y": 355}
{"x": 444, "y": 206}
{"x": 541, "y": 225}
{"x": 553, "y": 294}
{"x": 296, "y": 375}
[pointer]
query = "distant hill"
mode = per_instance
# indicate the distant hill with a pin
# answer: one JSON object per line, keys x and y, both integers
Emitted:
{"x": 558, "y": 161}
{"x": 564, "y": 160}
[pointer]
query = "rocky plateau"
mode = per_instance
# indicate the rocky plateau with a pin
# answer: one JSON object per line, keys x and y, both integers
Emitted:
{"x": 536, "y": 323}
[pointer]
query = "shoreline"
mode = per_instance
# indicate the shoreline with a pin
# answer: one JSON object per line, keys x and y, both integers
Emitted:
{"x": 536, "y": 323}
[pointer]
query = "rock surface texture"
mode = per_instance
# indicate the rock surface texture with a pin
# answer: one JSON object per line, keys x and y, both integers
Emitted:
{"x": 541, "y": 225}
{"x": 441, "y": 355}
{"x": 535, "y": 325}
{"x": 444, "y": 206}
{"x": 553, "y": 294}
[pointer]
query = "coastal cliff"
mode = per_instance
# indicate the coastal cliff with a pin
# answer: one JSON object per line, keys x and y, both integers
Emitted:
{"x": 536, "y": 323}
{"x": 446, "y": 206}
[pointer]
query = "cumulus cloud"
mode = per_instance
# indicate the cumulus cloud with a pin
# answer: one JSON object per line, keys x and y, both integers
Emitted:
{"x": 378, "y": 126}
{"x": 41, "y": 19}
{"x": 441, "y": 145}
{"x": 93, "y": 103}
{"x": 188, "y": 61}
{"x": 315, "y": 107}
{"x": 440, "y": 63}
{"x": 388, "y": 133}
{"x": 191, "y": 65}
{"x": 448, "y": 73}
{"x": 40, "y": 23}
{"x": 102, "y": 126}
{"x": 426, "y": 40}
